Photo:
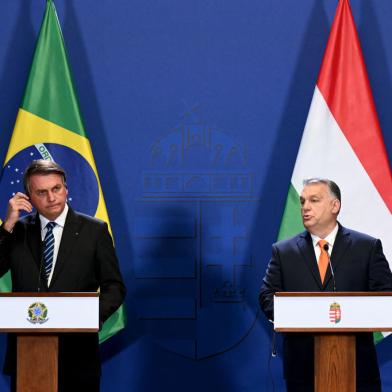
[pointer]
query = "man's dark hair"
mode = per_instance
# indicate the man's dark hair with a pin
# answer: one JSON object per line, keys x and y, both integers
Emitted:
{"x": 42, "y": 167}
{"x": 332, "y": 186}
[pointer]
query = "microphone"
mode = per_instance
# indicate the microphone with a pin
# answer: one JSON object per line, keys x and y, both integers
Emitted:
{"x": 326, "y": 248}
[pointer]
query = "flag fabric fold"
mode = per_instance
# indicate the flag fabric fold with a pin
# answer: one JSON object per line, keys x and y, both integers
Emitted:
{"x": 49, "y": 126}
{"x": 342, "y": 140}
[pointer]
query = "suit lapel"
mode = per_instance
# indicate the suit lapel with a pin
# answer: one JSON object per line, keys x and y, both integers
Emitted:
{"x": 34, "y": 242}
{"x": 305, "y": 246}
{"x": 33, "y": 238}
{"x": 67, "y": 244}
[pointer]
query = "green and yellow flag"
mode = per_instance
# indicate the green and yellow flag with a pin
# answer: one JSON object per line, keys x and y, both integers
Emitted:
{"x": 49, "y": 126}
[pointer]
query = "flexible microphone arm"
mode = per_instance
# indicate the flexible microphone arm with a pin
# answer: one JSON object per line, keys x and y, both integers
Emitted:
{"x": 326, "y": 248}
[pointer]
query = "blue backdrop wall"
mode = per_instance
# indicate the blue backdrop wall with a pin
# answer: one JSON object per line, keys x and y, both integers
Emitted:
{"x": 195, "y": 110}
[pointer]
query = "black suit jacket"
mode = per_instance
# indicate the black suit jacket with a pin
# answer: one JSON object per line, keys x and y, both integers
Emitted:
{"x": 359, "y": 264}
{"x": 85, "y": 262}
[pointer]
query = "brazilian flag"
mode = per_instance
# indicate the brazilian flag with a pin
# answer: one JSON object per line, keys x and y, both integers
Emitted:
{"x": 49, "y": 126}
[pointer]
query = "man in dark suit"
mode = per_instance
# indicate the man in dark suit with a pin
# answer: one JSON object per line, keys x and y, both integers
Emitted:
{"x": 81, "y": 259}
{"x": 300, "y": 263}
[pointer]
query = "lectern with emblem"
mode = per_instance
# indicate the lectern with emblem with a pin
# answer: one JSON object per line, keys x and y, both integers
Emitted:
{"x": 37, "y": 319}
{"x": 334, "y": 318}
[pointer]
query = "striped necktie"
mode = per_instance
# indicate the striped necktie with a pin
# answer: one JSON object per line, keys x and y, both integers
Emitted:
{"x": 48, "y": 249}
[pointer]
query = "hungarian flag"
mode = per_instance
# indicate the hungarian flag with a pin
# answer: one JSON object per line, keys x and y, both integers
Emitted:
{"x": 342, "y": 140}
{"x": 49, "y": 126}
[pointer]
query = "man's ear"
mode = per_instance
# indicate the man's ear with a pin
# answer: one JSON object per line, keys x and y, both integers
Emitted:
{"x": 336, "y": 206}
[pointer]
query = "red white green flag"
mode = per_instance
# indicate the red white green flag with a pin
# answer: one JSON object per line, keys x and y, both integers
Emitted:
{"x": 342, "y": 140}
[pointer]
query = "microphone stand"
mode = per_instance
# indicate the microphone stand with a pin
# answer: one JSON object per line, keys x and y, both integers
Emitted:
{"x": 326, "y": 248}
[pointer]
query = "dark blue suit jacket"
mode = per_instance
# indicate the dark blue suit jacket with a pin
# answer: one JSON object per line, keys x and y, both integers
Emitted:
{"x": 359, "y": 264}
{"x": 85, "y": 262}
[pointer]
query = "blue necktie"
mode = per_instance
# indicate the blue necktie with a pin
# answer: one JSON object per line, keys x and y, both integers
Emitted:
{"x": 48, "y": 249}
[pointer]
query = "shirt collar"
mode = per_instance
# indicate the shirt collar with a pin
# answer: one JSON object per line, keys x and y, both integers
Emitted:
{"x": 60, "y": 220}
{"x": 330, "y": 238}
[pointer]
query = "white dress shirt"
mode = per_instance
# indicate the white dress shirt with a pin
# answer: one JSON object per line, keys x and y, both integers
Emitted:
{"x": 330, "y": 238}
{"x": 57, "y": 233}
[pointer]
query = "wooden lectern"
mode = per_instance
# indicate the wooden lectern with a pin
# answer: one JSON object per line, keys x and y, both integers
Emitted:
{"x": 37, "y": 319}
{"x": 333, "y": 318}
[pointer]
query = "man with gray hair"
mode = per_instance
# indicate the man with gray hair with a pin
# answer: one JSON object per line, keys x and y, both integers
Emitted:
{"x": 301, "y": 263}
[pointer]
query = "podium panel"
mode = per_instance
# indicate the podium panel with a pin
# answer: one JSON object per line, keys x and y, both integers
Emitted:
{"x": 49, "y": 312}
{"x": 333, "y": 318}
{"x": 37, "y": 318}
{"x": 327, "y": 312}
{"x": 334, "y": 362}
{"x": 40, "y": 349}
